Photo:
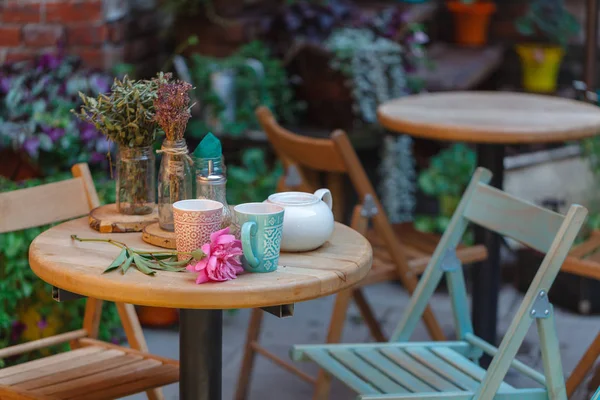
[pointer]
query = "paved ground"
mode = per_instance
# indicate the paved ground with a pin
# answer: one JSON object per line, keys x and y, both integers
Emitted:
{"x": 309, "y": 324}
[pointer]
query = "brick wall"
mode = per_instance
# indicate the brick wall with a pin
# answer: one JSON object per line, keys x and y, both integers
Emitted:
{"x": 102, "y": 32}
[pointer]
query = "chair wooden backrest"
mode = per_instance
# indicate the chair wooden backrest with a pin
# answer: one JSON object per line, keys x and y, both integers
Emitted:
{"x": 49, "y": 203}
{"x": 541, "y": 229}
{"x": 46, "y": 204}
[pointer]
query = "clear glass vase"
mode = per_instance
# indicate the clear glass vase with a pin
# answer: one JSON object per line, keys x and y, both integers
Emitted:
{"x": 175, "y": 180}
{"x": 211, "y": 184}
{"x": 136, "y": 180}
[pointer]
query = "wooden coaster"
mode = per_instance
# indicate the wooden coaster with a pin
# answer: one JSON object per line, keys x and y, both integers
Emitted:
{"x": 156, "y": 236}
{"x": 106, "y": 219}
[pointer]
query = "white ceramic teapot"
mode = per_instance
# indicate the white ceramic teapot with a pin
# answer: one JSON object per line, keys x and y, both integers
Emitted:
{"x": 307, "y": 221}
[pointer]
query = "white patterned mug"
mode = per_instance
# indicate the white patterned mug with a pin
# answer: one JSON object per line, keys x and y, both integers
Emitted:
{"x": 261, "y": 226}
{"x": 195, "y": 220}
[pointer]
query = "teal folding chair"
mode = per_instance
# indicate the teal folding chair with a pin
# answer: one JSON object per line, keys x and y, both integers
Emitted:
{"x": 596, "y": 395}
{"x": 449, "y": 370}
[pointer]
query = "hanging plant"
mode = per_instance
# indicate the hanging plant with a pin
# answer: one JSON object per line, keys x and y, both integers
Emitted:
{"x": 373, "y": 66}
{"x": 397, "y": 172}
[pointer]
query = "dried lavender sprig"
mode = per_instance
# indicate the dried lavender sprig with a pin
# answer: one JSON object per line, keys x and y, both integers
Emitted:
{"x": 172, "y": 109}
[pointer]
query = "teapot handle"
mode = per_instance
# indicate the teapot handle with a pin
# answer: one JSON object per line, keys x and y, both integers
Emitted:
{"x": 325, "y": 195}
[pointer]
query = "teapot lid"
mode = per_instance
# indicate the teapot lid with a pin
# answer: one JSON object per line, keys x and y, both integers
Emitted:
{"x": 294, "y": 198}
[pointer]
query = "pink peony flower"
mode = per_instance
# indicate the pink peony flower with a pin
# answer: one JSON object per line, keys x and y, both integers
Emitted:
{"x": 222, "y": 261}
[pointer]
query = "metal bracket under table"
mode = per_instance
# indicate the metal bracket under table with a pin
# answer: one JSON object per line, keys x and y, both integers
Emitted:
{"x": 282, "y": 311}
{"x": 61, "y": 295}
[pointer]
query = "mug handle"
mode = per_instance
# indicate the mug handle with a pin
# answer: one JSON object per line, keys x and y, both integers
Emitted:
{"x": 249, "y": 230}
{"x": 325, "y": 195}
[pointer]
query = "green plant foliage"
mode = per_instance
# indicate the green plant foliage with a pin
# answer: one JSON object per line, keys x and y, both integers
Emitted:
{"x": 253, "y": 180}
{"x": 147, "y": 262}
{"x": 591, "y": 150}
{"x": 35, "y": 99}
{"x": 449, "y": 171}
{"x": 272, "y": 90}
{"x": 552, "y": 19}
{"x": 446, "y": 179}
{"x": 27, "y": 311}
{"x": 126, "y": 115}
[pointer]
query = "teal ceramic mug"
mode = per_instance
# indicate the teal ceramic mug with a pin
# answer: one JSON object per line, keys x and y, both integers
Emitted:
{"x": 261, "y": 226}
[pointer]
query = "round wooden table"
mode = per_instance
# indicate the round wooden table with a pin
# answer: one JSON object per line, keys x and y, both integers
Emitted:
{"x": 77, "y": 267}
{"x": 490, "y": 120}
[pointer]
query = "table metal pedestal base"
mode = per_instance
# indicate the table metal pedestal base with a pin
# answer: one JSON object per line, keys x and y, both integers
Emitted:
{"x": 200, "y": 344}
{"x": 487, "y": 275}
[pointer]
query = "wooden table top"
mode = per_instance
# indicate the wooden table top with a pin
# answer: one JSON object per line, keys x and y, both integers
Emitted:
{"x": 490, "y": 117}
{"x": 77, "y": 267}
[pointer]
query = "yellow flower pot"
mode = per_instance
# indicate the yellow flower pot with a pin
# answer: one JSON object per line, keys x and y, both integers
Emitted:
{"x": 540, "y": 65}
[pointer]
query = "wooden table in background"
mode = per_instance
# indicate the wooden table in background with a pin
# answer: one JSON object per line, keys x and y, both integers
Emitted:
{"x": 77, "y": 267}
{"x": 490, "y": 120}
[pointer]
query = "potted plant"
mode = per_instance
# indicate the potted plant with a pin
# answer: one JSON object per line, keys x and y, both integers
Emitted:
{"x": 445, "y": 179}
{"x": 471, "y": 20}
{"x": 541, "y": 62}
{"x": 229, "y": 89}
{"x": 126, "y": 117}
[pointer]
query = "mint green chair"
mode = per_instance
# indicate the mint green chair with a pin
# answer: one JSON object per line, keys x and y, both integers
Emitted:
{"x": 448, "y": 370}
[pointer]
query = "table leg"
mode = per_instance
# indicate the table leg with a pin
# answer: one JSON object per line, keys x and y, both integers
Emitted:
{"x": 487, "y": 276}
{"x": 200, "y": 344}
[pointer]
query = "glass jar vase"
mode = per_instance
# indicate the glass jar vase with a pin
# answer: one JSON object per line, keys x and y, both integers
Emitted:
{"x": 175, "y": 179}
{"x": 136, "y": 180}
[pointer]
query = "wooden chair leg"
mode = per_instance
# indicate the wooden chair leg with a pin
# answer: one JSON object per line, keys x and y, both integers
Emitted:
{"x": 249, "y": 354}
{"x": 92, "y": 316}
{"x": 584, "y": 366}
{"x": 91, "y": 320}
{"x": 367, "y": 313}
{"x": 136, "y": 339}
{"x": 334, "y": 335}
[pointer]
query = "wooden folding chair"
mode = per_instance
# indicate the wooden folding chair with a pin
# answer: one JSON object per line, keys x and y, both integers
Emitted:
{"x": 446, "y": 370}
{"x": 93, "y": 369}
{"x": 400, "y": 252}
{"x": 584, "y": 260}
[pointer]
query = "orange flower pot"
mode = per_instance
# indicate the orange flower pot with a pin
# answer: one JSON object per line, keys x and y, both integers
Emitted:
{"x": 157, "y": 316}
{"x": 471, "y": 21}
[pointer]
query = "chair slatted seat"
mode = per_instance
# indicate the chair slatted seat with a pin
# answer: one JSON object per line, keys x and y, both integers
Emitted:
{"x": 429, "y": 369}
{"x": 96, "y": 370}
{"x": 402, "y": 370}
